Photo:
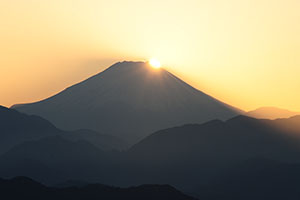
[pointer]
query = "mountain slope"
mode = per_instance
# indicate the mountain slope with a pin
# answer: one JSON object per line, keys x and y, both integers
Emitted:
{"x": 271, "y": 113}
{"x": 239, "y": 136}
{"x": 59, "y": 159}
{"x": 16, "y": 128}
{"x": 129, "y": 99}
{"x": 258, "y": 179}
{"x": 191, "y": 155}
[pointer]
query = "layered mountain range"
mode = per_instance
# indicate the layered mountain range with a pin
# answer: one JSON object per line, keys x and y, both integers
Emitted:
{"x": 16, "y": 128}
{"x": 192, "y": 157}
{"x": 178, "y": 135}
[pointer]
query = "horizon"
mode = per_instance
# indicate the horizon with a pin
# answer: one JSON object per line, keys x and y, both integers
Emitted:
{"x": 150, "y": 99}
{"x": 243, "y": 53}
{"x": 155, "y": 68}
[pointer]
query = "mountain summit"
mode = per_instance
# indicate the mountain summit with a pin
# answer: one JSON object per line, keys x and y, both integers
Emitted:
{"x": 130, "y": 100}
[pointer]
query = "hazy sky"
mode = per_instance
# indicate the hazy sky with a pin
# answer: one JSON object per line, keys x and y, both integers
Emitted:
{"x": 244, "y": 52}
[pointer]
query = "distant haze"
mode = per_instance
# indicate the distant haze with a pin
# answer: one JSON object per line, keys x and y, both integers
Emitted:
{"x": 271, "y": 113}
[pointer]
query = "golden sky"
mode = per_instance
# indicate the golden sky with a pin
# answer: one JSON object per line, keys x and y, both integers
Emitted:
{"x": 243, "y": 52}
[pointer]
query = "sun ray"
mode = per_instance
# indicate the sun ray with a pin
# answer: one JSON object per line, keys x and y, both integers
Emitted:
{"x": 154, "y": 63}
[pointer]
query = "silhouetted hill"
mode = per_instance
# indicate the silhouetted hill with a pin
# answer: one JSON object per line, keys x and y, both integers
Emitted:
{"x": 58, "y": 158}
{"x": 194, "y": 154}
{"x": 271, "y": 113}
{"x": 131, "y": 100}
{"x": 16, "y": 128}
{"x": 103, "y": 141}
{"x": 258, "y": 179}
{"x": 236, "y": 138}
{"x": 25, "y": 188}
{"x": 188, "y": 157}
{"x": 291, "y": 125}
{"x": 71, "y": 183}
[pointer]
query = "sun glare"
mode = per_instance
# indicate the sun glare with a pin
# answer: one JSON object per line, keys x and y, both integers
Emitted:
{"x": 154, "y": 63}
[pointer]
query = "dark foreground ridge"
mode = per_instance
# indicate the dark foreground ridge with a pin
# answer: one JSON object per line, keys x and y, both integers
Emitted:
{"x": 25, "y": 188}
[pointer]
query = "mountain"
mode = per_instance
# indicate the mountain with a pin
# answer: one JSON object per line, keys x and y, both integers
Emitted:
{"x": 26, "y": 188}
{"x": 58, "y": 158}
{"x": 129, "y": 100}
{"x": 290, "y": 125}
{"x": 187, "y": 157}
{"x": 193, "y": 154}
{"x": 16, "y": 128}
{"x": 271, "y": 113}
{"x": 102, "y": 141}
{"x": 239, "y": 137}
{"x": 258, "y": 179}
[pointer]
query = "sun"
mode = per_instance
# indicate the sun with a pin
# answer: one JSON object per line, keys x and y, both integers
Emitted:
{"x": 154, "y": 63}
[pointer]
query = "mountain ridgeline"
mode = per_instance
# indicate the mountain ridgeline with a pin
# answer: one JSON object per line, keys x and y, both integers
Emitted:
{"x": 26, "y": 188}
{"x": 216, "y": 159}
{"x": 271, "y": 113}
{"x": 129, "y": 100}
{"x": 16, "y": 128}
{"x": 180, "y": 136}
